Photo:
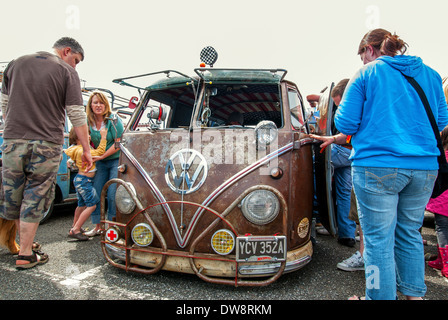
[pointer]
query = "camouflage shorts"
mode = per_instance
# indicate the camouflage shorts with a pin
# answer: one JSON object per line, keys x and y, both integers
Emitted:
{"x": 28, "y": 178}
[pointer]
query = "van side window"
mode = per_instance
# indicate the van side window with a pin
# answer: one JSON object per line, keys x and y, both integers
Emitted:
{"x": 295, "y": 106}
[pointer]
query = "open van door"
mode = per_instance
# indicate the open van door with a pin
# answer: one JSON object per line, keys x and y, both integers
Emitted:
{"x": 322, "y": 163}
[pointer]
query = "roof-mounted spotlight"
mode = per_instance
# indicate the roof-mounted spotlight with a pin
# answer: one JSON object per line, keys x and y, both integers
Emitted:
{"x": 208, "y": 56}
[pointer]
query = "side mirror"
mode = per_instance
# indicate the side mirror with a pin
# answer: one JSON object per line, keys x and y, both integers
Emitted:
{"x": 114, "y": 119}
{"x": 133, "y": 102}
{"x": 157, "y": 113}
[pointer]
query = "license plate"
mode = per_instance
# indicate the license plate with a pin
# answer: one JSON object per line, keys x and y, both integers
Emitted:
{"x": 260, "y": 248}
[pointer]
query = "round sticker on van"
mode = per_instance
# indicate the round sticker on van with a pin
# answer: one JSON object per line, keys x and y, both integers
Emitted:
{"x": 302, "y": 229}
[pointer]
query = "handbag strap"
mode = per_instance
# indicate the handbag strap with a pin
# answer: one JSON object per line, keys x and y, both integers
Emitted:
{"x": 421, "y": 93}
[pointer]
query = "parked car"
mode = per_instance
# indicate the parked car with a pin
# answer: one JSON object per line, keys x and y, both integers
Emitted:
{"x": 197, "y": 193}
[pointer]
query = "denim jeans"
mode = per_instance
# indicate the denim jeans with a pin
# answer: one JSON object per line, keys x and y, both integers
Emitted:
{"x": 343, "y": 186}
{"x": 87, "y": 195}
{"x": 391, "y": 205}
{"x": 441, "y": 229}
{"x": 106, "y": 170}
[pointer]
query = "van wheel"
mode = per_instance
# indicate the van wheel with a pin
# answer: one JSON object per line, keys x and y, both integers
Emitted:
{"x": 47, "y": 214}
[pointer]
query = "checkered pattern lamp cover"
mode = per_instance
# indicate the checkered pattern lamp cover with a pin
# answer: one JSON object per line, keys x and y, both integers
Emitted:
{"x": 209, "y": 56}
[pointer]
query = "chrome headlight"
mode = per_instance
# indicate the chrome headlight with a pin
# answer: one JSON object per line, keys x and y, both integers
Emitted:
{"x": 265, "y": 133}
{"x": 123, "y": 199}
{"x": 223, "y": 242}
{"x": 142, "y": 234}
{"x": 260, "y": 207}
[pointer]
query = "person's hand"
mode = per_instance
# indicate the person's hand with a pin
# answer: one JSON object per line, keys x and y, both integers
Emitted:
{"x": 97, "y": 158}
{"x": 103, "y": 133}
{"x": 87, "y": 161}
{"x": 326, "y": 140}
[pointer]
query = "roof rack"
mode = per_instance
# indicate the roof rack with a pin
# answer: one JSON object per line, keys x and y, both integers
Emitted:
{"x": 207, "y": 74}
{"x": 121, "y": 81}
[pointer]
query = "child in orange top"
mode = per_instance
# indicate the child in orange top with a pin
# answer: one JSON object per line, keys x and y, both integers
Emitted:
{"x": 87, "y": 196}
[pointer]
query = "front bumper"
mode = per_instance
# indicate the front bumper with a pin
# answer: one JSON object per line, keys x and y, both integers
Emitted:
{"x": 209, "y": 267}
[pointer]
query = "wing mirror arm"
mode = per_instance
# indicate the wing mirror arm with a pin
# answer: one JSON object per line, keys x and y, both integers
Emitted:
{"x": 113, "y": 120}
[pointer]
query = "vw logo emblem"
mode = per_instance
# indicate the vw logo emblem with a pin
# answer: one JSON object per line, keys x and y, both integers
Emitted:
{"x": 186, "y": 171}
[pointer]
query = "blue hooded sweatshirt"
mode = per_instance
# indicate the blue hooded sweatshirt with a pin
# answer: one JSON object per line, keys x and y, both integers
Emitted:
{"x": 385, "y": 115}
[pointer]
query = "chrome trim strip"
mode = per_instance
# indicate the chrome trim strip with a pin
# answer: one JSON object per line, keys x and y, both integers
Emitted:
{"x": 182, "y": 241}
{"x": 155, "y": 190}
{"x": 271, "y": 268}
{"x": 232, "y": 180}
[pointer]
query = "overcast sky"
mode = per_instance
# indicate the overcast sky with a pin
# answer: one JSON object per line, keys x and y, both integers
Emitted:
{"x": 315, "y": 40}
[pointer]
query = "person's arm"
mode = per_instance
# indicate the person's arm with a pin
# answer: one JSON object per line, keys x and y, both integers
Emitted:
{"x": 101, "y": 147}
{"x": 350, "y": 111}
{"x": 4, "y": 103}
{"x": 108, "y": 153}
{"x": 82, "y": 132}
{"x": 112, "y": 149}
{"x": 77, "y": 117}
{"x": 442, "y": 118}
{"x": 327, "y": 140}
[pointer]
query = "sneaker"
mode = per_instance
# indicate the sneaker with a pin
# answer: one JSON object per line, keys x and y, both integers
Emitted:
{"x": 322, "y": 231}
{"x": 354, "y": 263}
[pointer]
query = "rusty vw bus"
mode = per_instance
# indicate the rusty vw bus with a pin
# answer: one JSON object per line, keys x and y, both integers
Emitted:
{"x": 215, "y": 177}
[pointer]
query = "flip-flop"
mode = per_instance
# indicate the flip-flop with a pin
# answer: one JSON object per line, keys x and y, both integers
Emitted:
{"x": 33, "y": 260}
{"x": 78, "y": 236}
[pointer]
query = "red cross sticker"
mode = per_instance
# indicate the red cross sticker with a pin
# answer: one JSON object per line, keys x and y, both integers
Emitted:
{"x": 112, "y": 235}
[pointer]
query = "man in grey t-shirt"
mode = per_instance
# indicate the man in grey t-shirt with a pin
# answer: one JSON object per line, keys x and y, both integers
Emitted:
{"x": 37, "y": 90}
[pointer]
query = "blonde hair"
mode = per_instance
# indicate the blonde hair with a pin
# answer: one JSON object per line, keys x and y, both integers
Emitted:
{"x": 107, "y": 110}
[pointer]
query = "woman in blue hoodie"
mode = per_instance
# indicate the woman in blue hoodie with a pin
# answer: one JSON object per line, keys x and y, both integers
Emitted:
{"x": 394, "y": 160}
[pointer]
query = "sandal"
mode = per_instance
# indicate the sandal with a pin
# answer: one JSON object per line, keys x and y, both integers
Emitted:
{"x": 33, "y": 260}
{"x": 93, "y": 232}
{"x": 78, "y": 236}
{"x": 36, "y": 246}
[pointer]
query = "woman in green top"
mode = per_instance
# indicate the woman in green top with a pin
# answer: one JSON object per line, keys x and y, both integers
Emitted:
{"x": 98, "y": 111}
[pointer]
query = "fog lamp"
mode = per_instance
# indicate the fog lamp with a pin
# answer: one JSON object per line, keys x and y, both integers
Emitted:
{"x": 142, "y": 234}
{"x": 209, "y": 56}
{"x": 223, "y": 242}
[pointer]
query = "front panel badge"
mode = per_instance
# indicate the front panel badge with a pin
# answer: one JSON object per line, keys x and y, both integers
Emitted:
{"x": 186, "y": 171}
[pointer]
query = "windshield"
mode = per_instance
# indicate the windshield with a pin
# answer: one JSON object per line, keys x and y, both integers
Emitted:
{"x": 230, "y": 99}
{"x": 240, "y": 105}
{"x": 167, "y": 108}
